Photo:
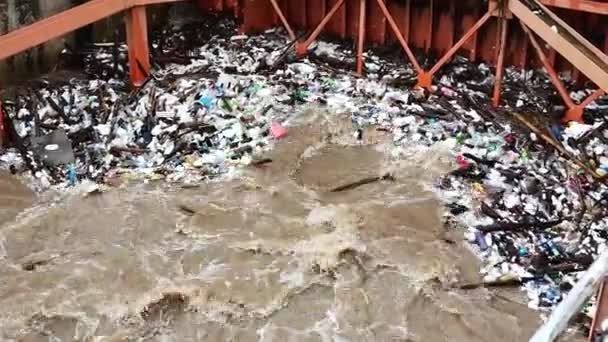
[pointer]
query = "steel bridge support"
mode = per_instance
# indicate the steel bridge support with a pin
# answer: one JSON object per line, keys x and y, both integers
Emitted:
{"x": 137, "y": 40}
{"x": 74, "y": 18}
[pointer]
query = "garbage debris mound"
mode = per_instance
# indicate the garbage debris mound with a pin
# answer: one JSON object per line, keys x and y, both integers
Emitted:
{"x": 529, "y": 191}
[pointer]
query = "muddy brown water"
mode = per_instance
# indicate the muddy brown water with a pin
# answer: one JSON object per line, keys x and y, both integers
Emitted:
{"x": 269, "y": 255}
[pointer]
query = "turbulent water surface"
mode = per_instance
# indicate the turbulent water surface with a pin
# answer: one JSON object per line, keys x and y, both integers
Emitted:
{"x": 269, "y": 255}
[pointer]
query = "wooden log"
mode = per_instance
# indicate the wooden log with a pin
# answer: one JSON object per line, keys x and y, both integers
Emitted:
{"x": 571, "y": 305}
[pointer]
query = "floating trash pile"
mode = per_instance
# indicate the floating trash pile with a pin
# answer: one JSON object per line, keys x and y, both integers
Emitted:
{"x": 530, "y": 194}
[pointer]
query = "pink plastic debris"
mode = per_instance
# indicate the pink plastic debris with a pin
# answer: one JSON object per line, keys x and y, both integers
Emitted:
{"x": 448, "y": 92}
{"x": 277, "y": 130}
{"x": 462, "y": 162}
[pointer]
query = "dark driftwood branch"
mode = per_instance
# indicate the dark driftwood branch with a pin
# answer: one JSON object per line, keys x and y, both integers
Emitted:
{"x": 511, "y": 226}
{"x": 187, "y": 210}
{"x": 361, "y": 182}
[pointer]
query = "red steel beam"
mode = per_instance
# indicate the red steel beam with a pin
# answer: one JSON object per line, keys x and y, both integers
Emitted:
{"x": 397, "y": 32}
{"x": 137, "y": 40}
{"x": 579, "y": 5}
{"x": 565, "y": 29}
{"x": 58, "y": 25}
{"x": 408, "y": 19}
{"x": 582, "y": 54}
{"x": 601, "y": 312}
{"x": 596, "y": 94}
{"x": 425, "y": 79}
{"x": 451, "y": 34}
{"x": 459, "y": 44}
{"x": 65, "y": 22}
{"x": 557, "y": 83}
{"x": 429, "y": 33}
{"x": 576, "y": 113}
{"x": 284, "y": 21}
{"x": 302, "y": 47}
{"x": 500, "y": 62}
{"x": 524, "y": 52}
{"x": 361, "y": 40}
{"x": 473, "y": 45}
{"x": 592, "y": 60}
{"x": 134, "y": 3}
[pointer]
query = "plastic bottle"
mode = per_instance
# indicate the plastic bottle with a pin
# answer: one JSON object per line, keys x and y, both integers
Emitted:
{"x": 550, "y": 247}
{"x": 72, "y": 176}
{"x": 208, "y": 99}
{"x": 480, "y": 239}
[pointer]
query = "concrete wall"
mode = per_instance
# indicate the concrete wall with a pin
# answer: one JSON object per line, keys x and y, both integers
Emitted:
{"x": 17, "y": 13}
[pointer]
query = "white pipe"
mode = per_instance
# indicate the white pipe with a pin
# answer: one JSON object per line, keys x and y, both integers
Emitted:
{"x": 571, "y": 305}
